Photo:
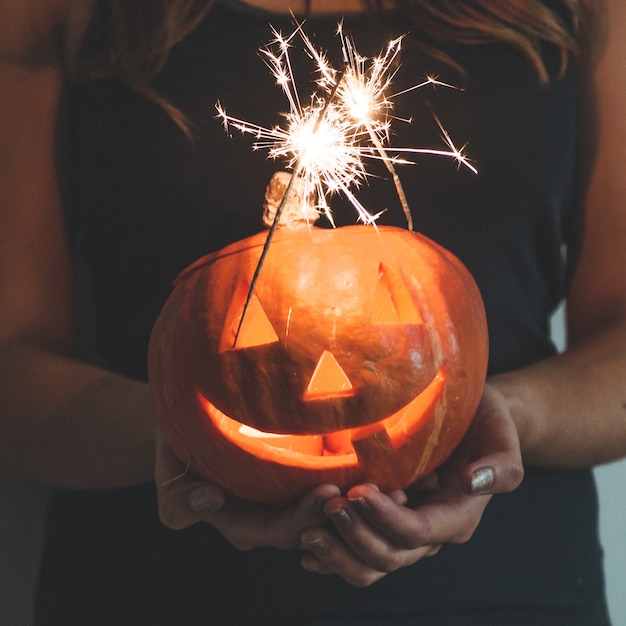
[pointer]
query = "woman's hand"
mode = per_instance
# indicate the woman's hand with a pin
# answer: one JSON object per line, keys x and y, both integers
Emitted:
{"x": 371, "y": 533}
{"x": 377, "y": 533}
{"x": 184, "y": 500}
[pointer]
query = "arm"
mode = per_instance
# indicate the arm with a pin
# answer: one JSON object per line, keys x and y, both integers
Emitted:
{"x": 61, "y": 422}
{"x": 571, "y": 410}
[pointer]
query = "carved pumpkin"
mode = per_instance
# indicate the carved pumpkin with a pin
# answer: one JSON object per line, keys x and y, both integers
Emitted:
{"x": 361, "y": 357}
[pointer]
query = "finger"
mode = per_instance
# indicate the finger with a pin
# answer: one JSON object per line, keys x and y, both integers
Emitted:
{"x": 182, "y": 497}
{"x": 490, "y": 459}
{"x": 311, "y": 563}
{"x": 494, "y": 415}
{"x": 443, "y": 516}
{"x": 501, "y": 475}
{"x": 247, "y": 525}
{"x": 499, "y": 471}
{"x": 389, "y": 515}
{"x": 188, "y": 503}
{"x": 385, "y": 536}
{"x": 430, "y": 482}
{"x": 450, "y": 517}
{"x": 329, "y": 555}
{"x": 399, "y": 497}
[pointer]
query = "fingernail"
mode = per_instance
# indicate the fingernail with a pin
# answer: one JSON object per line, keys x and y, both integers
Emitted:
{"x": 310, "y": 563}
{"x": 482, "y": 480}
{"x": 361, "y": 502}
{"x": 203, "y": 499}
{"x": 319, "y": 504}
{"x": 315, "y": 543}
{"x": 340, "y": 517}
{"x": 373, "y": 486}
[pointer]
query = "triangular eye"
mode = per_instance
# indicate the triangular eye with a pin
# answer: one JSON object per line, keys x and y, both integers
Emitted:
{"x": 328, "y": 380}
{"x": 256, "y": 329}
{"x": 393, "y": 303}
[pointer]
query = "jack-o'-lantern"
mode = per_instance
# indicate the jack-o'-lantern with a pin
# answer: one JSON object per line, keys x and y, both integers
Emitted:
{"x": 361, "y": 356}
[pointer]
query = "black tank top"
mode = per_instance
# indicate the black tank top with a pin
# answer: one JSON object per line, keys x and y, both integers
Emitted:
{"x": 146, "y": 202}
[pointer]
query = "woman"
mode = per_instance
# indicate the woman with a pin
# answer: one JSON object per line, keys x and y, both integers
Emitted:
{"x": 102, "y": 166}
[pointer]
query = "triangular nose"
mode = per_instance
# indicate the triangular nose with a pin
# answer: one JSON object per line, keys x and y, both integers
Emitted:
{"x": 328, "y": 380}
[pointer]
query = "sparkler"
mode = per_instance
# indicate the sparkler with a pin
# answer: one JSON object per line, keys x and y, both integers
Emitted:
{"x": 344, "y": 122}
{"x": 325, "y": 141}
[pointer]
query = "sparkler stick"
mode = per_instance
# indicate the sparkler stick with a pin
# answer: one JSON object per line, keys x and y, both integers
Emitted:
{"x": 394, "y": 175}
{"x": 368, "y": 96}
{"x": 266, "y": 246}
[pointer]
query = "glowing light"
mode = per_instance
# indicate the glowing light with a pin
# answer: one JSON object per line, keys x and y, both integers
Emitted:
{"x": 248, "y": 431}
{"x": 345, "y": 121}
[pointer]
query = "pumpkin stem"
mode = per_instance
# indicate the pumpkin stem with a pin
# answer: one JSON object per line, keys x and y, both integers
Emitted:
{"x": 286, "y": 204}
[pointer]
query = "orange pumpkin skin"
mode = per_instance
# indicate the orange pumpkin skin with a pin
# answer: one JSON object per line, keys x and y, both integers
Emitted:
{"x": 347, "y": 327}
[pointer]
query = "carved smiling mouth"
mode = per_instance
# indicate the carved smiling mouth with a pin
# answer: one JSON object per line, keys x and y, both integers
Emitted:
{"x": 338, "y": 449}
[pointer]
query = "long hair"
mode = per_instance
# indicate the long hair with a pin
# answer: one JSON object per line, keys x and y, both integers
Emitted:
{"x": 526, "y": 25}
{"x": 134, "y": 42}
{"x": 137, "y": 36}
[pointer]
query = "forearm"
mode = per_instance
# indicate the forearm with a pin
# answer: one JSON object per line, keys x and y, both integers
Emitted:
{"x": 67, "y": 424}
{"x": 570, "y": 410}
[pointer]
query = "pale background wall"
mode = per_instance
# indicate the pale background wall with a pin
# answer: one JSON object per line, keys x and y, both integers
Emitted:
{"x": 612, "y": 488}
{"x": 22, "y": 507}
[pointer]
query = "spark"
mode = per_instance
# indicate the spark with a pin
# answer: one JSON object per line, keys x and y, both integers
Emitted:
{"x": 346, "y": 121}
{"x": 458, "y": 154}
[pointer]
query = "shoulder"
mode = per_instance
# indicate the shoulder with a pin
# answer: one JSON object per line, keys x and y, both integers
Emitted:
{"x": 42, "y": 32}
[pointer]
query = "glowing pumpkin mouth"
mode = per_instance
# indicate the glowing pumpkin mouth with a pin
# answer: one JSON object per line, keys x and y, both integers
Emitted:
{"x": 337, "y": 449}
